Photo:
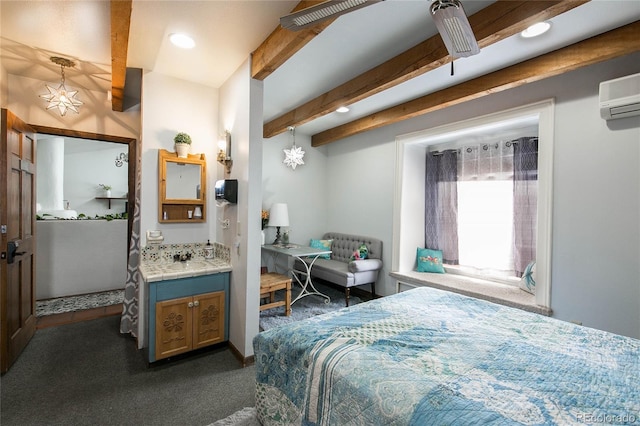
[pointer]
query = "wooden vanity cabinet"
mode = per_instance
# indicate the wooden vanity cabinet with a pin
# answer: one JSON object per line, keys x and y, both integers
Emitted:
{"x": 187, "y": 314}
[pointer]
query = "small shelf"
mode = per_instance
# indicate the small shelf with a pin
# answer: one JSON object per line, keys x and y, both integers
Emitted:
{"x": 180, "y": 213}
{"x": 112, "y": 198}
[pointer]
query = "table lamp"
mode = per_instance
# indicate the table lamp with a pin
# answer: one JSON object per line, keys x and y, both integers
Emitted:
{"x": 278, "y": 216}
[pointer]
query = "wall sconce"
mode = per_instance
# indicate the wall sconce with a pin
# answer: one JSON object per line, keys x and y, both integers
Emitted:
{"x": 224, "y": 153}
{"x": 121, "y": 159}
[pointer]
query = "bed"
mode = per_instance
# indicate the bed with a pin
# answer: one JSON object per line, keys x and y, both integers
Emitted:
{"x": 430, "y": 357}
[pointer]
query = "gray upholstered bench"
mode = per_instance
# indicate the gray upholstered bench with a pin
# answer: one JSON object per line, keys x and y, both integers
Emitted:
{"x": 343, "y": 272}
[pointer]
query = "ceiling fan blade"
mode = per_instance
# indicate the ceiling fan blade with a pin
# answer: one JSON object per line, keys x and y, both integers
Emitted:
{"x": 329, "y": 9}
{"x": 454, "y": 28}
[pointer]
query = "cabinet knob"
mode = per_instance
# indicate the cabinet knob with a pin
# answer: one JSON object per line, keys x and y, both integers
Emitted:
{"x": 196, "y": 303}
{"x": 190, "y": 304}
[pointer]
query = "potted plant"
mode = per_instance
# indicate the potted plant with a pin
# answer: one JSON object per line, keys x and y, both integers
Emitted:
{"x": 183, "y": 144}
{"x": 107, "y": 189}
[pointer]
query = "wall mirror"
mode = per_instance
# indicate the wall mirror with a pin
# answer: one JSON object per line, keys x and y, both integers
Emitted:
{"x": 182, "y": 187}
{"x": 183, "y": 181}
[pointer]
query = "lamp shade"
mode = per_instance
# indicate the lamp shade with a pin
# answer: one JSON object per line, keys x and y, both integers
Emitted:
{"x": 279, "y": 215}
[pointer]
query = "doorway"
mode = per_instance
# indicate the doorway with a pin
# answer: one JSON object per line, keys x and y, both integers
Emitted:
{"x": 131, "y": 149}
{"x": 106, "y": 240}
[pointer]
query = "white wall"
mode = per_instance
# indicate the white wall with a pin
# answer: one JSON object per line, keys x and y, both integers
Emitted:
{"x": 170, "y": 106}
{"x": 80, "y": 256}
{"x": 596, "y": 221}
{"x": 95, "y": 114}
{"x": 83, "y": 171}
{"x": 241, "y": 114}
{"x": 4, "y": 90}
{"x": 304, "y": 189}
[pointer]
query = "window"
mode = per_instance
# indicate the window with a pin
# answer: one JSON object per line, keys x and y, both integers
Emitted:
{"x": 485, "y": 227}
{"x": 409, "y": 201}
{"x": 480, "y": 206}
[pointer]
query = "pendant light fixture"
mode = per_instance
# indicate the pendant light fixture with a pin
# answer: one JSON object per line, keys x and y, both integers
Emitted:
{"x": 62, "y": 98}
{"x": 293, "y": 157}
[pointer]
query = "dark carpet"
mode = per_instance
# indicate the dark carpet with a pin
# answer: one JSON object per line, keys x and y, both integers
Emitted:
{"x": 89, "y": 374}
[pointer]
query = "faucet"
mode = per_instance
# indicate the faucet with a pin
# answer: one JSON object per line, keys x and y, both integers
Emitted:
{"x": 181, "y": 257}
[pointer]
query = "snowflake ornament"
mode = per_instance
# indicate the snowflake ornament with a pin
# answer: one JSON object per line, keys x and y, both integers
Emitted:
{"x": 293, "y": 157}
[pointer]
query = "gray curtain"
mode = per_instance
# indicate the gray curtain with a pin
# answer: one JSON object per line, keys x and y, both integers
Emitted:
{"x": 441, "y": 204}
{"x": 525, "y": 201}
{"x": 129, "y": 318}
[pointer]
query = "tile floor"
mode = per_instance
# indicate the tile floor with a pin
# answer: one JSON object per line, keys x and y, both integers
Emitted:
{"x": 78, "y": 316}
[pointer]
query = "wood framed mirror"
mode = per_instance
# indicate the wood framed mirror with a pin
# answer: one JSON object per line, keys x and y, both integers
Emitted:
{"x": 181, "y": 187}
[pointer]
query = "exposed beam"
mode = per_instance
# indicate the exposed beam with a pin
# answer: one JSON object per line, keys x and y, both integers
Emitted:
{"x": 490, "y": 25}
{"x": 283, "y": 44}
{"x": 120, "y": 23}
{"x": 612, "y": 44}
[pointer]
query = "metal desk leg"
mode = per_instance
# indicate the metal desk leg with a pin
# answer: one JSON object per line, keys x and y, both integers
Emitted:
{"x": 307, "y": 282}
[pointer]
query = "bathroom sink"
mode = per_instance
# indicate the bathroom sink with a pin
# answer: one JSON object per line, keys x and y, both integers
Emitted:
{"x": 181, "y": 266}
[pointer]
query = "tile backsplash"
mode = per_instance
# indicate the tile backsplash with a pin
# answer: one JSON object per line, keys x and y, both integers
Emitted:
{"x": 163, "y": 253}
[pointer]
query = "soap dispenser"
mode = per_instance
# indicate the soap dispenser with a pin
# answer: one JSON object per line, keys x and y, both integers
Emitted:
{"x": 208, "y": 251}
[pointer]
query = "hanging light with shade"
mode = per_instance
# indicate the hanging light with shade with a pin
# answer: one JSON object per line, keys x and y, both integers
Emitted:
{"x": 60, "y": 97}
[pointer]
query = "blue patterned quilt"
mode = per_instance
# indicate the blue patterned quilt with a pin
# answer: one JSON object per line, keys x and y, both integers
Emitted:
{"x": 430, "y": 357}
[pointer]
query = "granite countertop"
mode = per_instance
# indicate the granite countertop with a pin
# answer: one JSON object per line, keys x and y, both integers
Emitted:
{"x": 160, "y": 271}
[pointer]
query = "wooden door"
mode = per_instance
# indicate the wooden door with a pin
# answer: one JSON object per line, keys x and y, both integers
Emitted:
{"x": 173, "y": 327}
{"x": 208, "y": 319}
{"x": 17, "y": 234}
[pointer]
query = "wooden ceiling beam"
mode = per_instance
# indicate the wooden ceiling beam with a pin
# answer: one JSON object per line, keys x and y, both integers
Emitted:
{"x": 120, "y": 24}
{"x": 282, "y": 44}
{"x": 615, "y": 43}
{"x": 490, "y": 25}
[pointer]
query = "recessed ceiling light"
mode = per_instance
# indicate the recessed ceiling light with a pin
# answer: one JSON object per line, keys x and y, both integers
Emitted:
{"x": 182, "y": 40}
{"x": 536, "y": 29}
{"x": 342, "y": 109}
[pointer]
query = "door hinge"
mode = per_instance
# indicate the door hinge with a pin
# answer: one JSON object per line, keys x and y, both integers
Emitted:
{"x": 3, "y": 229}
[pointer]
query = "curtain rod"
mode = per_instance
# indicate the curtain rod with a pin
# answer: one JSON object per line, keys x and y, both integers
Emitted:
{"x": 484, "y": 145}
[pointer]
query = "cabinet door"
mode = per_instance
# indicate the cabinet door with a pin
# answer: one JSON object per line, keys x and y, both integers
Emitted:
{"x": 173, "y": 327}
{"x": 208, "y": 319}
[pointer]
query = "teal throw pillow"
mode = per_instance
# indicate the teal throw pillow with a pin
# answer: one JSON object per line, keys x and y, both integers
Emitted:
{"x": 528, "y": 281}
{"x": 429, "y": 260}
{"x": 322, "y": 245}
{"x": 361, "y": 253}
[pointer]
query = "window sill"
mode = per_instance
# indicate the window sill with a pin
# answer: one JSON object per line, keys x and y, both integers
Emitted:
{"x": 457, "y": 270}
{"x": 481, "y": 289}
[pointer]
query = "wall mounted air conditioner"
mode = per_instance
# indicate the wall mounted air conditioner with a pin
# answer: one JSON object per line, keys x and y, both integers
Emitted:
{"x": 620, "y": 97}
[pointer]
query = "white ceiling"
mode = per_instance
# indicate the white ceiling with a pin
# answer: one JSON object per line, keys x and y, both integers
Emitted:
{"x": 226, "y": 32}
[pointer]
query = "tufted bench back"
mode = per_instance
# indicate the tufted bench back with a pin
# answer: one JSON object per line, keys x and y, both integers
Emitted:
{"x": 344, "y": 245}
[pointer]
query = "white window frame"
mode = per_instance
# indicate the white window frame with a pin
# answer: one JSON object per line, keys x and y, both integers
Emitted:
{"x": 408, "y": 203}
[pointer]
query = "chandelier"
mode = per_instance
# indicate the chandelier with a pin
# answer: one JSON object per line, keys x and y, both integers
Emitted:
{"x": 62, "y": 98}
